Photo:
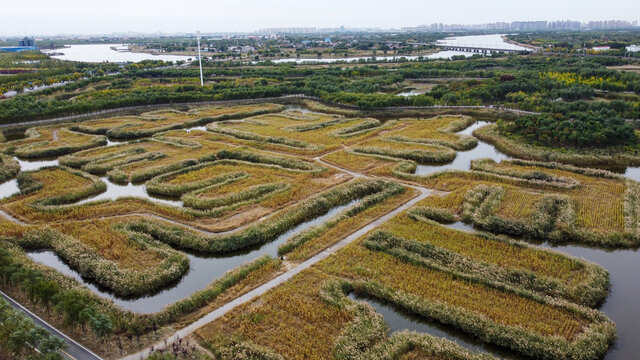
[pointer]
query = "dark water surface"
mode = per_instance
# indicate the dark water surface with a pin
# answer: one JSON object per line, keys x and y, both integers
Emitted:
{"x": 203, "y": 269}
{"x": 622, "y": 304}
{"x": 115, "y": 191}
{"x": 463, "y": 158}
{"x": 398, "y": 319}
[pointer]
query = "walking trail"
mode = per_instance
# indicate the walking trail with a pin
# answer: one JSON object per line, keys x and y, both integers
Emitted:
{"x": 262, "y": 289}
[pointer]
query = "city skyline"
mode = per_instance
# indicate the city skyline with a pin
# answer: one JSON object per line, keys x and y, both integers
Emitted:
{"x": 66, "y": 17}
{"x": 540, "y": 25}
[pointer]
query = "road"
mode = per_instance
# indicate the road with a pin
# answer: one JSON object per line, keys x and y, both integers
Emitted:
{"x": 74, "y": 350}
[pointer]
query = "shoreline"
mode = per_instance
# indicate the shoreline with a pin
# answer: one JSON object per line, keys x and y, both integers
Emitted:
{"x": 134, "y": 49}
{"x": 512, "y": 42}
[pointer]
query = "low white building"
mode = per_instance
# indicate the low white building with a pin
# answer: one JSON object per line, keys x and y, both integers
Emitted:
{"x": 633, "y": 48}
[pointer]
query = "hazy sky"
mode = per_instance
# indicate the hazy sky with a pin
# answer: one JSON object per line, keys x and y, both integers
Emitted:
{"x": 31, "y": 17}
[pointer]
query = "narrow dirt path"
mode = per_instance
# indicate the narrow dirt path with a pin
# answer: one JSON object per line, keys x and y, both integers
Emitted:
{"x": 262, "y": 289}
{"x": 292, "y": 270}
{"x": 13, "y": 219}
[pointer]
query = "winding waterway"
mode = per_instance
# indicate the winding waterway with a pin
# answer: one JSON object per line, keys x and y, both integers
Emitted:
{"x": 398, "y": 319}
{"x": 203, "y": 269}
{"x": 623, "y": 265}
{"x": 622, "y": 304}
{"x": 463, "y": 158}
{"x": 116, "y": 191}
{"x": 10, "y": 187}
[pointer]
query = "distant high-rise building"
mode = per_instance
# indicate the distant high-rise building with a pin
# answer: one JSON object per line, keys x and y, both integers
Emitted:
{"x": 27, "y": 42}
{"x": 529, "y": 25}
{"x": 292, "y": 30}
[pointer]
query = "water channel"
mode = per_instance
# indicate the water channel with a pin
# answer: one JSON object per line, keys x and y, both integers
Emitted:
{"x": 203, "y": 269}
{"x": 398, "y": 319}
{"x": 621, "y": 305}
{"x": 623, "y": 265}
{"x": 463, "y": 158}
{"x": 115, "y": 191}
{"x": 10, "y": 187}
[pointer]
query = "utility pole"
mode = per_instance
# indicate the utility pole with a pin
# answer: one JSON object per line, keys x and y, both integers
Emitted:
{"x": 200, "y": 59}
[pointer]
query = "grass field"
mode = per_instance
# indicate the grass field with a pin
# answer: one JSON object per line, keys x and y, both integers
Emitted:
{"x": 277, "y": 320}
{"x": 596, "y": 197}
{"x": 257, "y": 171}
{"x": 150, "y": 123}
{"x": 51, "y": 141}
{"x": 439, "y": 130}
{"x": 297, "y": 133}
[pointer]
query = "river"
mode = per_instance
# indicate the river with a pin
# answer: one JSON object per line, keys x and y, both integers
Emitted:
{"x": 104, "y": 53}
{"x": 493, "y": 41}
{"x": 439, "y": 55}
{"x": 97, "y": 53}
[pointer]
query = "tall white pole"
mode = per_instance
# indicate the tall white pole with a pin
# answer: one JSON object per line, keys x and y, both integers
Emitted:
{"x": 200, "y": 60}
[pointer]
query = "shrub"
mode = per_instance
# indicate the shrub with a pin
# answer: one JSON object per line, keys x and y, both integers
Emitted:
{"x": 68, "y": 143}
{"x": 592, "y": 343}
{"x": 357, "y": 129}
{"x": 155, "y": 122}
{"x": 611, "y": 156}
{"x": 574, "y": 130}
{"x": 244, "y": 135}
{"x": 440, "y": 215}
{"x": 314, "y": 125}
{"x": 264, "y": 232}
{"x": 159, "y": 186}
{"x": 536, "y": 177}
{"x": 283, "y": 161}
{"x": 50, "y": 288}
{"x": 407, "y": 151}
{"x": 298, "y": 240}
{"x": 108, "y": 273}
{"x": 439, "y": 130}
{"x": 9, "y": 168}
{"x": 250, "y": 195}
{"x": 28, "y": 184}
{"x": 590, "y": 292}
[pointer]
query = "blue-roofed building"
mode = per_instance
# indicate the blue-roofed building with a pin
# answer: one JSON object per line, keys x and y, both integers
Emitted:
{"x": 26, "y": 44}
